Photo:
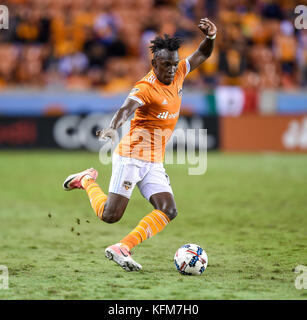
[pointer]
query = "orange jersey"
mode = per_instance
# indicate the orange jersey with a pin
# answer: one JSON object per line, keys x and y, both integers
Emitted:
{"x": 154, "y": 121}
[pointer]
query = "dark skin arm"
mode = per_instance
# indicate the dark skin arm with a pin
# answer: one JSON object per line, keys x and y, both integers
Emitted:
{"x": 206, "y": 46}
{"x": 120, "y": 117}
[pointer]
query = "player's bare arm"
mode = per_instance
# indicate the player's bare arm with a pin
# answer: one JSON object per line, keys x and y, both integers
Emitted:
{"x": 206, "y": 46}
{"x": 120, "y": 117}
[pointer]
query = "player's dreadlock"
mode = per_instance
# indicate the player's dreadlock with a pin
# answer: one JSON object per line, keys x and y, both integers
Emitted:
{"x": 171, "y": 44}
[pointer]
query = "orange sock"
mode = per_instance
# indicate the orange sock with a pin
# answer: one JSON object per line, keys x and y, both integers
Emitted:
{"x": 97, "y": 197}
{"x": 150, "y": 225}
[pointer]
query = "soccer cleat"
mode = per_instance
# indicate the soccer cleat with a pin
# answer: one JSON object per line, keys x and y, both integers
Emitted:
{"x": 74, "y": 180}
{"x": 122, "y": 256}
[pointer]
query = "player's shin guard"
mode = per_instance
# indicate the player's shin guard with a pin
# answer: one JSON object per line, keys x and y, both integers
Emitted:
{"x": 150, "y": 225}
{"x": 97, "y": 197}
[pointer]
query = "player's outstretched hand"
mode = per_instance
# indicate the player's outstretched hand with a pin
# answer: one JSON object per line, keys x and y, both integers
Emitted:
{"x": 105, "y": 134}
{"x": 207, "y": 27}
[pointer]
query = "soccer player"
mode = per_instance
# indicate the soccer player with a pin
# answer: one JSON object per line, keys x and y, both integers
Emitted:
{"x": 138, "y": 158}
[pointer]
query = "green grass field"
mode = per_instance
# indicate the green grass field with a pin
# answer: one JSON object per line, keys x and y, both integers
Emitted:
{"x": 249, "y": 212}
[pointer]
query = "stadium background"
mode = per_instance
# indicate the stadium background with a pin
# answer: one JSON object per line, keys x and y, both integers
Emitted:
{"x": 66, "y": 66}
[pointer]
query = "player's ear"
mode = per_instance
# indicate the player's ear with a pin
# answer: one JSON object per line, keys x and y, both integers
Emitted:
{"x": 154, "y": 63}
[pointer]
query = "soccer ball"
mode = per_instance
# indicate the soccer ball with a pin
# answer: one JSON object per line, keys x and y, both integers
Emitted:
{"x": 191, "y": 259}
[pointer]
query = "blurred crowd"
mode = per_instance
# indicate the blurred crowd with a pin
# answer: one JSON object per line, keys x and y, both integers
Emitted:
{"x": 103, "y": 44}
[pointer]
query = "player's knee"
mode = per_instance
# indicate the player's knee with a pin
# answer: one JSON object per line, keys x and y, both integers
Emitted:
{"x": 171, "y": 213}
{"x": 110, "y": 219}
{"x": 111, "y": 216}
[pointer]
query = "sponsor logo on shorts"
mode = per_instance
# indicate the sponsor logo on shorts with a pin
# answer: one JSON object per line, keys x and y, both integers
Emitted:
{"x": 127, "y": 184}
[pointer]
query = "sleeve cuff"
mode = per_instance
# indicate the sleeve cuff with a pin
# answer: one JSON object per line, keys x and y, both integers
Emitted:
{"x": 138, "y": 100}
{"x": 188, "y": 66}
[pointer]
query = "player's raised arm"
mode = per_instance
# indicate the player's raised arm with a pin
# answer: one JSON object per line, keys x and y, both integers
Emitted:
{"x": 120, "y": 117}
{"x": 206, "y": 46}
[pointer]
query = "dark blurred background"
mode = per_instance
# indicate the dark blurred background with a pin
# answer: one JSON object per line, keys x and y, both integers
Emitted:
{"x": 81, "y": 44}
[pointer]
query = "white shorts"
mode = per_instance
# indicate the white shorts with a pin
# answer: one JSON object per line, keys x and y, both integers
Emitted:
{"x": 127, "y": 172}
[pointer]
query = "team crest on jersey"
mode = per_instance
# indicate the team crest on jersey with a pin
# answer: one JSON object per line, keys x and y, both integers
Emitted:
{"x": 134, "y": 90}
{"x": 180, "y": 92}
{"x": 127, "y": 184}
